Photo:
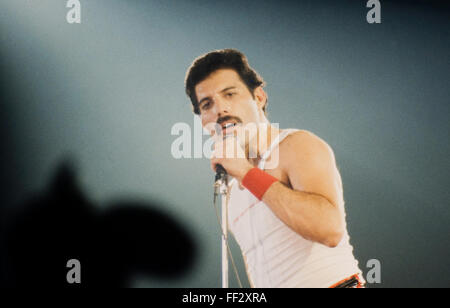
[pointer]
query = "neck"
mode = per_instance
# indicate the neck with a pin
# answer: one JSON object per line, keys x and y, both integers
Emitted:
{"x": 266, "y": 134}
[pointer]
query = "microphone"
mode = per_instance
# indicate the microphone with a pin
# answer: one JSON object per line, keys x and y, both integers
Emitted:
{"x": 221, "y": 178}
{"x": 221, "y": 173}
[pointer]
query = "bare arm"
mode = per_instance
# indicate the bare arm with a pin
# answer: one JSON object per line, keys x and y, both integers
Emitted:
{"x": 313, "y": 207}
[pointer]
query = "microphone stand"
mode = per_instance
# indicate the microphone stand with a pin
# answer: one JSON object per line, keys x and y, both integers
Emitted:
{"x": 221, "y": 188}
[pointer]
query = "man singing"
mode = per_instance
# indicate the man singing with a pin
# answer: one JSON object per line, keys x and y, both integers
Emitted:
{"x": 286, "y": 205}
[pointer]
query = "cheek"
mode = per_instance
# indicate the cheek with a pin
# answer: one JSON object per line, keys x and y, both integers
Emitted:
{"x": 251, "y": 105}
{"x": 206, "y": 120}
{"x": 209, "y": 126}
{"x": 248, "y": 113}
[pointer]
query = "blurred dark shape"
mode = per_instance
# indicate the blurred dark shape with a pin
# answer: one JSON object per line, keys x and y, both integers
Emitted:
{"x": 112, "y": 245}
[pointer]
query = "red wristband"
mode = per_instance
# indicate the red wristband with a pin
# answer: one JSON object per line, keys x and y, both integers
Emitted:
{"x": 258, "y": 182}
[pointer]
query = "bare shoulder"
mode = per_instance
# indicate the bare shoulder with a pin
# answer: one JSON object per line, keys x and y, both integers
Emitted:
{"x": 304, "y": 146}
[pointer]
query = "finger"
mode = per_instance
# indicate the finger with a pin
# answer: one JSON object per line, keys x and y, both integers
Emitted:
{"x": 219, "y": 149}
{"x": 214, "y": 163}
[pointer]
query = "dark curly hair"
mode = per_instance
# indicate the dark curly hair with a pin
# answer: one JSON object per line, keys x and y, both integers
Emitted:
{"x": 208, "y": 63}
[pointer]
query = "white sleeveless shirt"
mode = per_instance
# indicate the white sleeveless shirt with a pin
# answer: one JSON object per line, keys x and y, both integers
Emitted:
{"x": 275, "y": 255}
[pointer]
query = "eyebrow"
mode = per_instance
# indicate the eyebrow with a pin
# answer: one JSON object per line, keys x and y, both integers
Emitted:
{"x": 229, "y": 88}
{"x": 221, "y": 91}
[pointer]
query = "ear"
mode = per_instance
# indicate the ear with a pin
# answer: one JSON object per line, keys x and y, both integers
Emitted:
{"x": 260, "y": 97}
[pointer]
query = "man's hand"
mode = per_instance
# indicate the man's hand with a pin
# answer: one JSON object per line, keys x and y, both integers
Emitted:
{"x": 229, "y": 153}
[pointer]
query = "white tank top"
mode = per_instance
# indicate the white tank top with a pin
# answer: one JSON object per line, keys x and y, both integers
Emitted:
{"x": 275, "y": 255}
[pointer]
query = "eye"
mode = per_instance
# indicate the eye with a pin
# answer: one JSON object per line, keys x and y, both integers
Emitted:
{"x": 205, "y": 105}
{"x": 230, "y": 94}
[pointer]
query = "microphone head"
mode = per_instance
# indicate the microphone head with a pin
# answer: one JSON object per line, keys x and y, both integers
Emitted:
{"x": 220, "y": 172}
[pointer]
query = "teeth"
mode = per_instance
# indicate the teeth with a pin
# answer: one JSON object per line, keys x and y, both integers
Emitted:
{"x": 229, "y": 125}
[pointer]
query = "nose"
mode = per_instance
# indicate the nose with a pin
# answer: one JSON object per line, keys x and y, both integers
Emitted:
{"x": 222, "y": 107}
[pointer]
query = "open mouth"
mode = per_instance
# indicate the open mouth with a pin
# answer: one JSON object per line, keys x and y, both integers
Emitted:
{"x": 227, "y": 127}
{"x": 228, "y": 124}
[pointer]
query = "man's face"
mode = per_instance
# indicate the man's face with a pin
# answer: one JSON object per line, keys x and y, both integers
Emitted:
{"x": 225, "y": 99}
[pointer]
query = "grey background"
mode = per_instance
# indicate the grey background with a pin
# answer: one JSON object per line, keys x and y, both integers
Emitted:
{"x": 108, "y": 91}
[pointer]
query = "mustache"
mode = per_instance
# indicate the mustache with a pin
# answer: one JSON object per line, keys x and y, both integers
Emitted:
{"x": 228, "y": 118}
